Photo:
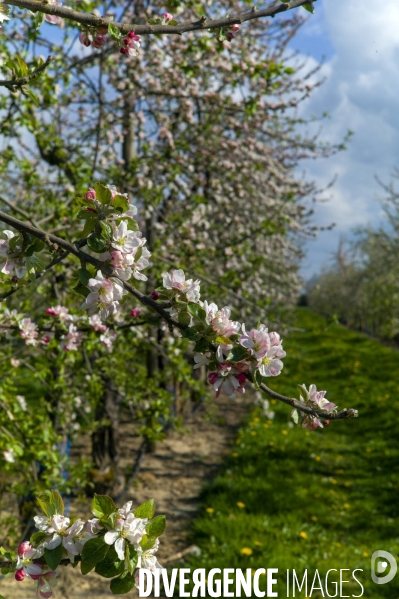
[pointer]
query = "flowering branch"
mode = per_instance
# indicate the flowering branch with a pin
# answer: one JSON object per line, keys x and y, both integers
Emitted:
{"x": 18, "y": 83}
{"x": 233, "y": 355}
{"x": 116, "y": 543}
{"x": 90, "y": 20}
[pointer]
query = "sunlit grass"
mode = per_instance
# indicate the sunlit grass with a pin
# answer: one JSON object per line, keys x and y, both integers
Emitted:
{"x": 289, "y": 498}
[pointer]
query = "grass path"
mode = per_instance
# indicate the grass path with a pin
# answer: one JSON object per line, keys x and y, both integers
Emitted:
{"x": 290, "y": 498}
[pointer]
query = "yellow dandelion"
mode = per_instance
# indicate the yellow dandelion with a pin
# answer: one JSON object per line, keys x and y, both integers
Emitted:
{"x": 314, "y": 518}
{"x": 365, "y": 554}
{"x": 284, "y": 432}
{"x": 235, "y": 454}
{"x": 317, "y": 458}
{"x": 346, "y": 506}
{"x": 253, "y": 433}
{"x": 303, "y": 534}
{"x": 210, "y": 510}
{"x": 258, "y": 544}
{"x": 246, "y": 551}
{"x": 240, "y": 504}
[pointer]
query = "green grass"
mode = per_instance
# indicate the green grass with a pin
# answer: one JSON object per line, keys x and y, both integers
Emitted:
{"x": 315, "y": 500}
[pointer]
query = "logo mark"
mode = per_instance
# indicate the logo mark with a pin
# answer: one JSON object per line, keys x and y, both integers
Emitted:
{"x": 381, "y": 566}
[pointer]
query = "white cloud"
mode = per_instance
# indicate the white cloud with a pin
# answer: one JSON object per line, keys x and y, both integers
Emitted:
{"x": 361, "y": 94}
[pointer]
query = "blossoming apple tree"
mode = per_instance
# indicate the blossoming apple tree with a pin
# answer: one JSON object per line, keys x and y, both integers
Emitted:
{"x": 146, "y": 156}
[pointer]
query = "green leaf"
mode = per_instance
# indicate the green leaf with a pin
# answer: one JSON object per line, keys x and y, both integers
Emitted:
{"x": 223, "y": 339}
{"x": 106, "y": 229}
{"x": 39, "y": 245}
{"x": 153, "y": 21}
{"x": 90, "y": 224}
{"x": 157, "y": 527}
{"x": 145, "y": 510}
{"x": 196, "y": 311}
{"x": 82, "y": 290}
{"x": 84, "y": 275}
{"x": 57, "y": 503}
{"x": 102, "y": 505}
{"x": 110, "y": 566}
{"x": 184, "y": 318}
{"x": 122, "y": 584}
{"x": 32, "y": 96}
{"x": 37, "y": 538}
{"x": 191, "y": 334}
{"x": 309, "y": 7}
{"x": 44, "y": 502}
{"x": 201, "y": 346}
{"x": 173, "y": 23}
{"x": 86, "y": 215}
{"x": 237, "y": 354}
{"x": 31, "y": 269}
{"x": 114, "y": 32}
{"x": 121, "y": 203}
{"x": 94, "y": 551}
{"x": 96, "y": 243}
{"x": 53, "y": 557}
{"x": 103, "y": 194}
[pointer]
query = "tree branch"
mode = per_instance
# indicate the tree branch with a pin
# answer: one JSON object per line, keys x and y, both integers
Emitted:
{"x": 14, "y": 84}
{"x": 202, "y": 25}
{"x": 54, "y": 241}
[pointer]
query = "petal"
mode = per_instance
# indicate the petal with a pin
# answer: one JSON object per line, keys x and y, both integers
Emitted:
{"x": 111, "y": 536}
{"x": 120, "y": 548}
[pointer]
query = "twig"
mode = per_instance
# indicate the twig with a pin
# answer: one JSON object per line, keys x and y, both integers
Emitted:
{"x": 52, "y": 240}
{"x": 202, "y": 25}
{"x": 14, "y": 84}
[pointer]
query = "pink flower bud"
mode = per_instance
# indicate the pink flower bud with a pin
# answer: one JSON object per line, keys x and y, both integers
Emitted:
{"x": 102, "y": 30}
{"x": 46, "y": 340}
{"x": 241, "y": 378}
{"x": 91, "y": 194}
{"x": 326, "y": 422}
{"x": 235, "y": 27}
{"x": 84, "y": 39}
{"x": 213, "y": 377}
{"x": 126, "y": 41}
{"x": 99, "y": 41}
{"x": 19, "y": 575}
{"x": 117, "y": 258}
{"x": 131, "y": 34}
{"x": 52, "y": 312}
{"x": 123, "y": 50}
{"x": 135, "y": 312}
{"x": 155, "y": 295}
{"x": 24, "y": 547}
{"x": 230, "y": 36}
{"x": 167, "y": 16}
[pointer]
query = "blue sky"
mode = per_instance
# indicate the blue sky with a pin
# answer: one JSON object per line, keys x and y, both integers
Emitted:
{"x": 360, "y": 45}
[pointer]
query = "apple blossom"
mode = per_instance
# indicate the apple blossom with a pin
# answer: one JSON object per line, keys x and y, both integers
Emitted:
{"x": 72, "y": 340}
{"x": 136, "y": 312}
{"x": 229, "y": 378}
{"x": 124, "y": 240}
{"x": 201, "y": 360}
{"x": 257, "y": 341}
{"x": 9, "y": 455}
{"x": 147, "y": 559}
{"x": 28, "y": 331}
{"x": 45, "y": 584}
{"x": 108, "y": 338}
{"x": 176, "y": 279}
{"x": 97, "y": 324}
{"x": 270, "y": 364}
{"x": 24, "y": 565}
{"x": 222, "y": 324}
{"x": 60, "y": 311}
{"x": 12, "y": 259}
{"x": 105, "y": 295}
{"x": 130, "y": 529}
